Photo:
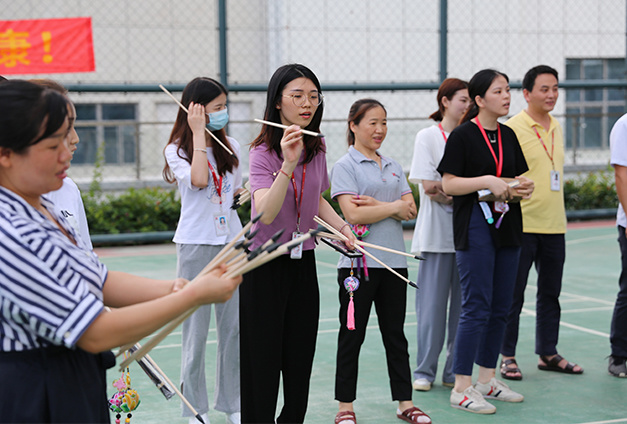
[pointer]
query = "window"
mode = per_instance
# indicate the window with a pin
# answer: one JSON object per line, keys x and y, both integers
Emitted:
{"x": 591, "y": 112}
{"x": 110, "y": 127}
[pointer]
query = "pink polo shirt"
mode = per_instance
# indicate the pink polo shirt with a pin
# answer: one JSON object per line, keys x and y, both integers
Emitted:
{"x": 264, "y": 169}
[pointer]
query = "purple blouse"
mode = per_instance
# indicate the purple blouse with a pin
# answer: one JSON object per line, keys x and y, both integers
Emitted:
{"x": 264, "y": 169}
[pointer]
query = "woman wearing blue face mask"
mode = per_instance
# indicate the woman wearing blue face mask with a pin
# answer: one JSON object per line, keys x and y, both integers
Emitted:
{"x": 207, "y": 177}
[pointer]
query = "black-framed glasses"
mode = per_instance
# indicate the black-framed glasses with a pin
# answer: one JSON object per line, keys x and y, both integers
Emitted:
{"x": 299, "y": 99}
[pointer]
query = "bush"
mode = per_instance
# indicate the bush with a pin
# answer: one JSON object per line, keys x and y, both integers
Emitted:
{"x": 158, "y": 209}
{"x": 596, "y": 190}
{"x": 135, "y": 210}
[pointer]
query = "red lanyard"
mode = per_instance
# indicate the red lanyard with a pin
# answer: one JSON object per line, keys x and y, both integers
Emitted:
{"x": 543, "y": 145}
{"x": 499, "y": 162}
{"x": 442, "y": 131}
{"x": 217, "y": 183}
{"x": 299, "y": 202}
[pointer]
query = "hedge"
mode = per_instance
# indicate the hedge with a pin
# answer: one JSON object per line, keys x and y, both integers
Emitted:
{"x": 158, "y": 209}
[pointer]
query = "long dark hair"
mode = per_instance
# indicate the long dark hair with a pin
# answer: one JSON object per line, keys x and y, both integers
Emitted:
{"x": 271, "y": 136}
{"x": 478, "y": 86}
{"x": 447, "y": 89}
{"x": 201, "y": 90}
{"x": 356, "y": 114}
{"x": 29, "y": 113}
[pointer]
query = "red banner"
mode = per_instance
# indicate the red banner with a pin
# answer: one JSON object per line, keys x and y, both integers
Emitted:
{"x": 46, "y": 46}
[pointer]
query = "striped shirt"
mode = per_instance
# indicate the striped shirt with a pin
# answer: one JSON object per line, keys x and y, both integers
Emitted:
{"x": 50, "y": 289}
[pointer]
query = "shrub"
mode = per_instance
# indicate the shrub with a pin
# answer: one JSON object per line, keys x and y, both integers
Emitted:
{"x": 135, "y": 210}
{"x": 596, "y": 190}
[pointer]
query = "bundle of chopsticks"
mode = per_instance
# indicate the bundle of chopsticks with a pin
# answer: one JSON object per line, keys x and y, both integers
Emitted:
{"x": 359, "y": 245}
{"x": 240, "y": 198}
{"x": 238, "y": 261}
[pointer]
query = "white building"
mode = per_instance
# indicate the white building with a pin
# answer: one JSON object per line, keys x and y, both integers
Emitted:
{"x": 343, "y": 42}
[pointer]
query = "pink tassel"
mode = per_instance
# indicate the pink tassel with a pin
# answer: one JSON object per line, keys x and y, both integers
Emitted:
{"x": 350, "y": 316}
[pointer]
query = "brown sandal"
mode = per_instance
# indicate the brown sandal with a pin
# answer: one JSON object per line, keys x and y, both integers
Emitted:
{"x": 345, "y": 416}
{"x": 411, "y": 415}
{"x": 506, "y": 369}
{"x": 553, "y": 365}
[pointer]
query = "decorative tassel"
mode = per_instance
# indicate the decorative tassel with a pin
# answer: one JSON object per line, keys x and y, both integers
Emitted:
{"x": 367, "y": 278}
{"x": 350, "y": 315}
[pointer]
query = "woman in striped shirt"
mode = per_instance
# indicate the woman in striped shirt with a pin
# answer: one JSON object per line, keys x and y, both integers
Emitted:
{"x": 53, "y": 290}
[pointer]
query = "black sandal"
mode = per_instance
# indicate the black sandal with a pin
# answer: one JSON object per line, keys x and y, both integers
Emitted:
{"x": 553, "y": 365}
{"x": 505, "y": 370}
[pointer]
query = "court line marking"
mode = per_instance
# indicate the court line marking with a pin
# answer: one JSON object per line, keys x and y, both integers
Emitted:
{"x": 619, "y": 420}
{"x": 594, "y": 238}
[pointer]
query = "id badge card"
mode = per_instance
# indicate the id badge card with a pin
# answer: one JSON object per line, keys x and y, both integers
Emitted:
{"x": 555, "y": 180}
{"x": 297, "y": 251}
{"x": 501, "y": 207}
{"x": 221, "y": 224}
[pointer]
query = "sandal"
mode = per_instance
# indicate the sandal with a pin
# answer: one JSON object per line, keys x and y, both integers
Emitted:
{"x": 413, "y": 415}
{"x": 553, "y": 365}
{"x": 506, "y": 370}
{"x": 345, "y": 417}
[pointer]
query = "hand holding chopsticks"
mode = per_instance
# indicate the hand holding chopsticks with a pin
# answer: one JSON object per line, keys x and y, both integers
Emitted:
{"x": 165, "y": 90}
{"x": 362, "y": 250}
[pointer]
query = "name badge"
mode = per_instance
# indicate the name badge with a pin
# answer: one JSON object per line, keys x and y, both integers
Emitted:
{"x": 297, "y": 251}
{"x": 221, "y": 224}
{"x": 555, "y": 181}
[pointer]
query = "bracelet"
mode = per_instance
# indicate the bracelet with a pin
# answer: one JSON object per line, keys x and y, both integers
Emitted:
{"x": 200, "y": 150}
{"x": 284, "y": 173}
{"x": 342, "y": 227}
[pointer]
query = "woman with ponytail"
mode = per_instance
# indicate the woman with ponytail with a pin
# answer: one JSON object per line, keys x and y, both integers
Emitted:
{"x": 438, "y": 280}
{"x": 482, "y": 154}
{"x": 207, "y": 177}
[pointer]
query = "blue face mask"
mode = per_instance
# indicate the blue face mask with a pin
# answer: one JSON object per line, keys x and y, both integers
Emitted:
{"x": 217, "y": 120}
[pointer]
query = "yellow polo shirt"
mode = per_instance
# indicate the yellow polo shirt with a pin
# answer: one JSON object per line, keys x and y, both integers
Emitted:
{"x": 544, "y": 212}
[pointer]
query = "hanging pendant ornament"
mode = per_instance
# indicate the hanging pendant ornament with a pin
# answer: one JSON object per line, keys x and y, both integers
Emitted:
{"x": 351, "y": 283}
{"x": 361, "y": 231}
{"x": 125, "y": 399}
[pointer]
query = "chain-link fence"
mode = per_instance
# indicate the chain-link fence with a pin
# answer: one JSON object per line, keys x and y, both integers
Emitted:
{"x": 388, "y": 49}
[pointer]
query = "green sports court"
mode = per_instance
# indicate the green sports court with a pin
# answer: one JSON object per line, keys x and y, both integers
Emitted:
{"x": 590, "y": 286}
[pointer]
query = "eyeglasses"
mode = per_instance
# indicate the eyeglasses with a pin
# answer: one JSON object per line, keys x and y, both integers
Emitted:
{"x": 299, "y": 99}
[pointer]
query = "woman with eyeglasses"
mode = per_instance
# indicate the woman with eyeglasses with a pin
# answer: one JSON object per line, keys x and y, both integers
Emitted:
{"x": 279, "y": 301}
{"x": 207, "y": 177}
{"x": 55, "y": 333}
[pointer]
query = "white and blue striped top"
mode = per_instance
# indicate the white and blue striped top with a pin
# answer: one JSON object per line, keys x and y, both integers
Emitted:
{"x": 50, "y": 289}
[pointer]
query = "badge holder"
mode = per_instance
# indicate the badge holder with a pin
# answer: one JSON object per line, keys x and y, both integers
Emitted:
{"x": 221, "y": 223}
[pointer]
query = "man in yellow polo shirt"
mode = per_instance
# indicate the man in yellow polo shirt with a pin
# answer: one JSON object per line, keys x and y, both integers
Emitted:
{"x": 544, "y": 224}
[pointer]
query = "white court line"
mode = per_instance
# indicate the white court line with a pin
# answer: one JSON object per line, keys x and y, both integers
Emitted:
{"x": 597, "y": 309}
{"x": 584, "y": 240}
{"x": 619, "y": 420}
{"x": 573, "y": 326}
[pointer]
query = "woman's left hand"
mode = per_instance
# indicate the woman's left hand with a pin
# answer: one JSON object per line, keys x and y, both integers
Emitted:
{"x": 525, "y": 188}
{"x": 348, "y": 233}
{"x": 363, "y": 200}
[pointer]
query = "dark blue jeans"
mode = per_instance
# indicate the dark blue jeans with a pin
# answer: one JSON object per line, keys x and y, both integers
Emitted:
{"x": 487, "y": 275}
{"x": 618, "y": 331}
{"x": 548, "y": 252}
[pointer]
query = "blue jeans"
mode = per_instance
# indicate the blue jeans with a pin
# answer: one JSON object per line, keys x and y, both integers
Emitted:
{"x": 487, "y": 276}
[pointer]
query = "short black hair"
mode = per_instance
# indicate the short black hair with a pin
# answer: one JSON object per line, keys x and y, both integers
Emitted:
{"x": 530, "y": 77}
{"x": 29, "y": 113}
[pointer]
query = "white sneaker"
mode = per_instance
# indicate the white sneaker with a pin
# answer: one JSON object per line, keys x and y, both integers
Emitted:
{"x": 498, "y": 390}
{"x": 422, "y": 384}
{"x": 194, "y": 420}
{"x": 234, "y": 418}
{"x": 471, "y": 400}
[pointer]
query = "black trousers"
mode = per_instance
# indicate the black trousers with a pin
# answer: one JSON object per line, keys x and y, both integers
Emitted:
{"x": 279, "y": 310}
{"x": 54, "y": 385}
{"x": 618, "y": 329}
{"x": 389, "y": 295}
{"x": 548, "y": 252}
